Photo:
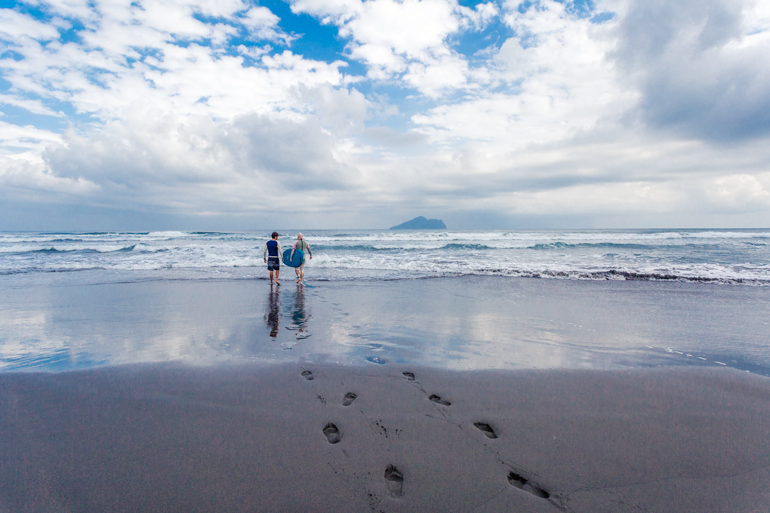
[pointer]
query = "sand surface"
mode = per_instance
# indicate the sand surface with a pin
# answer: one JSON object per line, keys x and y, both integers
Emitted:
{"x": 266, "y": 438}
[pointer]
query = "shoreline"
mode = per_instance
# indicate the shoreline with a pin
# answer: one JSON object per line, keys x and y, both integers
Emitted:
{"x": 258, "y": 438}
{"x": 459, "y": 323}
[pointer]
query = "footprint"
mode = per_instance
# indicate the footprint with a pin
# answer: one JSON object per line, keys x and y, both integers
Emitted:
{"x": 409, "y": 376}
{"x": 395, "y": 481}
{"x": 522, "y": 484}
{"x": 307, "y": 375}
{"x": 486, "y": 429}
{"x": 348, "y": 399}
{"x": 332, "y": 433}
{"x": 438, "y": 400}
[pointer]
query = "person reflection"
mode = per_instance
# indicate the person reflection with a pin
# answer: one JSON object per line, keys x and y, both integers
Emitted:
{"x": 273, "y": 312}
{"x": 299, "y": 316}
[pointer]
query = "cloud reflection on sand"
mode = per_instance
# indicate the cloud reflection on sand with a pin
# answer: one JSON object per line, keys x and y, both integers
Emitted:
{"x": 454, "y": 323}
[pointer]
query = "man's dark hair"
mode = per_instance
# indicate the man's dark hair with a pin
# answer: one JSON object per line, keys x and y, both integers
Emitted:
{"x": 274, "y": 235}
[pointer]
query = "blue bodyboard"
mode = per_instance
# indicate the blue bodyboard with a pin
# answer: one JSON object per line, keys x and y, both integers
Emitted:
{"x": 296, "y": 261}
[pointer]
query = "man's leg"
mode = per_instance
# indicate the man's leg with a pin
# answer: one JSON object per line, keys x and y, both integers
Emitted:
{"x": 277, "y": 272}
{"x": 271, "y": 277}
{"x": 302, "y": 272}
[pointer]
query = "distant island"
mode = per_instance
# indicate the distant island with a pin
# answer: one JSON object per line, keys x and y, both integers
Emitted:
{"x": 420, "y": 223}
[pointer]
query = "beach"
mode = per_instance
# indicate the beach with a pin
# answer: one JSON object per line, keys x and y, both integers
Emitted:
{"x": 470, "y": 394}
{"x": 532, "y": 242}
{"x": 252, "y": 438}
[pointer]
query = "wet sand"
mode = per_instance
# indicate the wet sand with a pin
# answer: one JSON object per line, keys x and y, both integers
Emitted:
{"x": 269, "y": 438}
{"x": 462, "y": 323}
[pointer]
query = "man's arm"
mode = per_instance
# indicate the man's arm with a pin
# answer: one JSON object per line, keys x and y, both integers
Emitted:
{"x": 264, "y": 253}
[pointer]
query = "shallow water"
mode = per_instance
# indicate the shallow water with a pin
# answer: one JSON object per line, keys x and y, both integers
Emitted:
{"x": 719, "y": 256}
{"x": 475, "y": 322}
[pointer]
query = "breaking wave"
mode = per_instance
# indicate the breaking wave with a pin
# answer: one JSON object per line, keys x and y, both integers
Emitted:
{"x": 706, "y": 256}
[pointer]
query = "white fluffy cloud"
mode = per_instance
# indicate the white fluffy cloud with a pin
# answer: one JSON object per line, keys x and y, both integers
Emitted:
{"x": 406, "y": 39}
{"x": 263, "y": 25}
{"x": 634, "y": 110}
{"x": 554, "y": 80}
{"x": 158, "y": 56}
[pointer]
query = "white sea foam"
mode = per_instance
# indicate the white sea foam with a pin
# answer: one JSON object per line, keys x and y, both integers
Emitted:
{"x": 737, "y": 256}
{"x": 167, "y": 235}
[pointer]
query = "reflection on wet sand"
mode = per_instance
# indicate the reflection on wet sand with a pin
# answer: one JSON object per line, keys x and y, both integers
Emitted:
{"x": 299, "y": 315}
{"x": 512, "y": 324}
{"x": 273, "y": 312}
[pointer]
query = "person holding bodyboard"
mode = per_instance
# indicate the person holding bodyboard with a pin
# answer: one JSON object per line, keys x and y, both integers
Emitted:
{"x": 302, "y": 245}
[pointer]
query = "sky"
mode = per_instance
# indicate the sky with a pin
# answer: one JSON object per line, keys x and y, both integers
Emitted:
{"x": 235, "y": 115}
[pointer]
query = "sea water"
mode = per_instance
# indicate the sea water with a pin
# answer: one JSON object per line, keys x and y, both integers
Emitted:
{"x": 715, "y": 256}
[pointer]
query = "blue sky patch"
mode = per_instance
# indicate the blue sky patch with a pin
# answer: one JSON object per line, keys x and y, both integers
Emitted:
{"x": 492, "y": 36}
{"x": 602, "y": 17}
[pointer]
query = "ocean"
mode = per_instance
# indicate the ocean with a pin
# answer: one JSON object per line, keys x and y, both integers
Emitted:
{"x": 712, "y": 256}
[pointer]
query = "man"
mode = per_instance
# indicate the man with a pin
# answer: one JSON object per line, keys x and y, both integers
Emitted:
{"x": 272, "y": 257}
{"x": 303, "y": 246}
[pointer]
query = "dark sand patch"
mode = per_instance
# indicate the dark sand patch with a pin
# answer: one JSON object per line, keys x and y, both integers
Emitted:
{"x": 246, "y": 438}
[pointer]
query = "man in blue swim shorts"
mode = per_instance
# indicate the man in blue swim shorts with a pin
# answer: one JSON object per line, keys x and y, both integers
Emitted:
{"x": 272, "y": 257}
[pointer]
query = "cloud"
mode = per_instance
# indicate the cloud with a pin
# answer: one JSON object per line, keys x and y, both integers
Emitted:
{"x": 702, "y": 68}
{"x": 25, "y": 142}
{"x": 406, "y": 38}
{"x": 342, "y": 111}
{"x": 185, "y": 165}
{"x": 15, "y": 26}
{"x": 613, "y": 109}
{"x": 388, "y": 137}
{"x": 740, "y": 192}
{"x": 33, "y": 106}
{"x": 263, "y": 25}
{"x": 157, "y": 56}
{"x": 552, "y": 80}
{"x": 21, "y": 179}
{"x": 597, "y": 176}
{"x": 479, "y": 16}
